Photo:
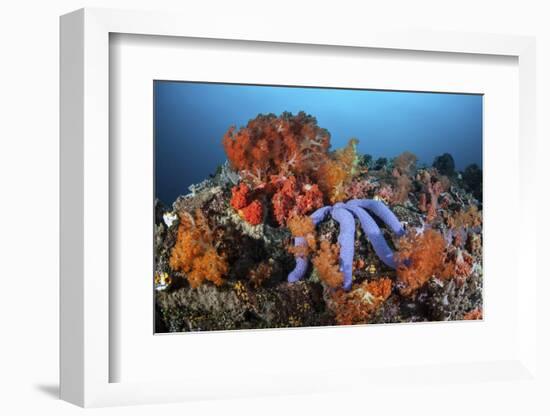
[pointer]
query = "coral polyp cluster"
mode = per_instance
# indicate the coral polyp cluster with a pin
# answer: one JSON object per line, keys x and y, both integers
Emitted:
{"x": 291, "y": 232}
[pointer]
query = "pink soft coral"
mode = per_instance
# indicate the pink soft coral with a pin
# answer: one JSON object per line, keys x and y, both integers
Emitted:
{"x": 433, "y": 186}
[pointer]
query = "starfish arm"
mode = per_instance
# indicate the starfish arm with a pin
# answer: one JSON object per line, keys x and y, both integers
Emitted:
{"x": 346, "y": 239}
{"x": 320, "y": 214}
{"x": 299, "y": 270}
{"x": 374, "y": 235}
{"x": 302, "y": 262}
{"x": 381, "y": 211}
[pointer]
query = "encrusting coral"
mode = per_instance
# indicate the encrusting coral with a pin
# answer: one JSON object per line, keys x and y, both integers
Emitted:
{"x": 344, "y": 214}
{"x": 194, "y": 253}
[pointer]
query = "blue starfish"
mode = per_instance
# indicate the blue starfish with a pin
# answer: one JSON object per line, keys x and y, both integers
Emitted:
{"x": 343, "y": 214}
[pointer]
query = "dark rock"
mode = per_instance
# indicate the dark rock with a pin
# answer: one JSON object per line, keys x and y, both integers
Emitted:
{"x": 240, "y": 306}
{"x": 445, "y": 164}
{"x": 473, "y": 180}
{"x": 381, "y": 163}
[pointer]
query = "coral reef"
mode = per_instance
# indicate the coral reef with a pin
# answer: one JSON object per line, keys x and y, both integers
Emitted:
{"x": 389, "y": 241}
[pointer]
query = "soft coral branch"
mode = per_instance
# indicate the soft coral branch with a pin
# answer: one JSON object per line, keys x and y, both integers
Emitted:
{"x": 271, "y": 145}
{"x": 194, "y": 253}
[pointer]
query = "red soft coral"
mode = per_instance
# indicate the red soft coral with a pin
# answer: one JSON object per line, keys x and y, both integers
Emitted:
{"x": 294, "y": 198}
{"x": 271, "y": 145}
{"x": 239, "y": 196}
{"x": 253, "y": 213}
{"x": 251, "y": 210}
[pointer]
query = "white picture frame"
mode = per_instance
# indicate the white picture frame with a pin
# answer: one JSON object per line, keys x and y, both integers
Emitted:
{"x": 85, "y": 212}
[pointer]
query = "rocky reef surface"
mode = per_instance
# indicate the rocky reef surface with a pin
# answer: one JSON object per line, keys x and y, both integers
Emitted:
{"x": 224, "y": 251}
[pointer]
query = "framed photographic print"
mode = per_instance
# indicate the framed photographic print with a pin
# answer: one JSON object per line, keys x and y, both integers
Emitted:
{"x": 325, "y": 211}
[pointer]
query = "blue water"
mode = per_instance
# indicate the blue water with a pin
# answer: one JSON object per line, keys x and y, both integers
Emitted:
{"x": 191, "y": 118}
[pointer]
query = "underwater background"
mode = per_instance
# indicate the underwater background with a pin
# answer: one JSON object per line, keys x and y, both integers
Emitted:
{"x": 191, "y": 119}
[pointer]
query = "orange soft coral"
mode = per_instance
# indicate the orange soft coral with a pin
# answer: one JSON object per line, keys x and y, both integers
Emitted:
{"x": 474, "y": 315}
{"x": 301, "y": 226}
{"x": 358, "y": 305}
{"x": 337, "y": 172}
{"x": 327, "y": 264}
{"x": 420, "y": 257}
{"x": 194, "y": 253}
{"x": 271, "y": 145}
{"x": 466, "y": 218}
